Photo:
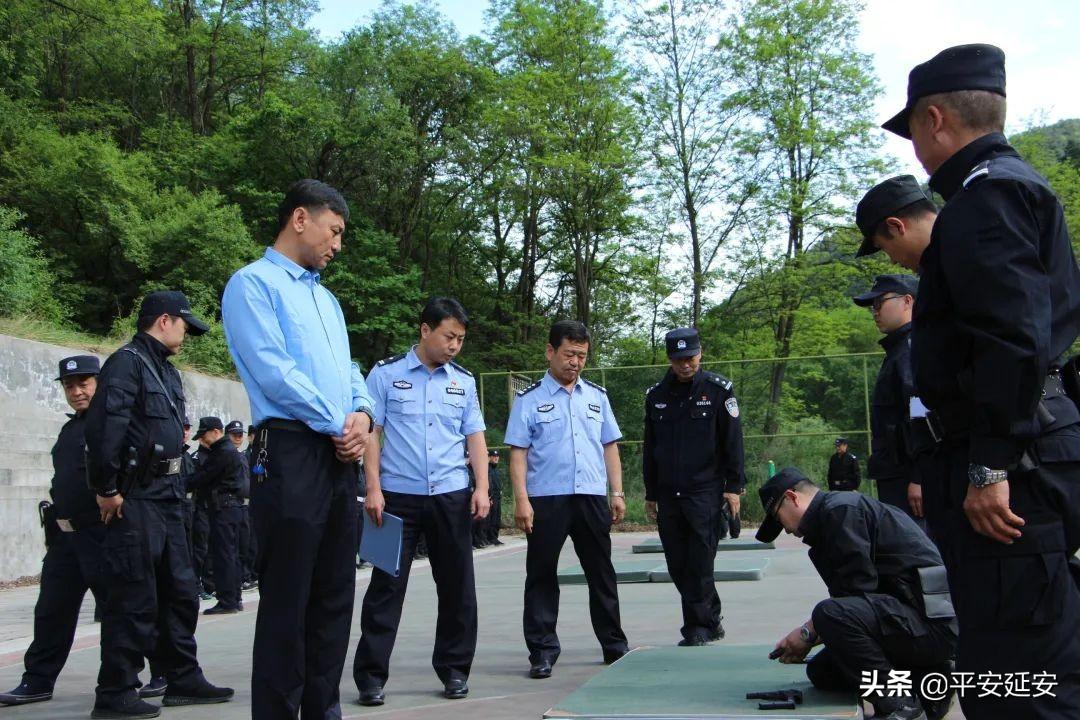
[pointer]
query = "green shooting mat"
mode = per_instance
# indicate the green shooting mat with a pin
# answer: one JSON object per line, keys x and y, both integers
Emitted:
{"x": 652, "y": 545}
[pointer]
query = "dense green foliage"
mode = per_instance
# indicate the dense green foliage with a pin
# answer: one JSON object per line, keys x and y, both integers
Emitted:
{"x": 684, "y": 162}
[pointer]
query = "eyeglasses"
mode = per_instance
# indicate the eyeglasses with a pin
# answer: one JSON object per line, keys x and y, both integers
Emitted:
{"x": 879, "y": 301}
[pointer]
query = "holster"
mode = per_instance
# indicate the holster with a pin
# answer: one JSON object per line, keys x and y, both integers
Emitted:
{"x": 936, "y": 600}
{"x": 47, "y": 516}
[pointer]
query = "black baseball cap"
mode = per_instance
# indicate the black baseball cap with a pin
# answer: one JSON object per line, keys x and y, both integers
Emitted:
{"x": 899, "y": 284}
{"x": 884, "y": 200}
{"x": 235, "y": 426}
{"x": 493, "y": 453}
{"x": 175, "y": 303}
{"x": 682, "y": 343}
{"x": 962, "y": 67}
{"x": 79, "y": 365}
{"x": 771, "y": 493}
{"x": 840, "y": 441}
{"x": 208, "y": 423}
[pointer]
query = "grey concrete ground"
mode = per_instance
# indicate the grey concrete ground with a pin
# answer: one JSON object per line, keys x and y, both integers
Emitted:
{"x": 754, "y": 613}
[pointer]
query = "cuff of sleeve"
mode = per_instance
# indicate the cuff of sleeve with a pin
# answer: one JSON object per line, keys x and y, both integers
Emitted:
{"x": 110, "y": 491}
{"x": 480, "y": 427}
{"x": 996, "y": 453}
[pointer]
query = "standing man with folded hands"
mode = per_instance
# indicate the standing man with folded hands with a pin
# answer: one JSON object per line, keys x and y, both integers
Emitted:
{"x": 312, "y": 413}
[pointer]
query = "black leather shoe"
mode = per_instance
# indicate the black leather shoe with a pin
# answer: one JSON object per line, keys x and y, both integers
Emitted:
{"x": 611, "y": 657}
{"x": 718, "y": 633}
{"x": 196, "y": 691}
{"x": 540, "y": 670}
{"x": 372, "y": 696}
{"x": 693, "y": 641}
{"x": 155, "y": 688}
{"x": 220, "y": 609}
{"x": 25, "y": 694}
{"x": 907, "y": 712}
{"x": 455, "y": 689}
{"x": 130, "y": 709}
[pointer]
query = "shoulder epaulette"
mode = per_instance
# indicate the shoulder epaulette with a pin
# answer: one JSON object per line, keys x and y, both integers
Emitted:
{"x": 458, "y": 367}
{"x": 389, "y": 360}
{"x": 601, "y": 388}
{"x": 718, "y": 379}
{"x": 528, "y": 389}
{"x": 651, "y": 388}
{"x": 979, "y": 171}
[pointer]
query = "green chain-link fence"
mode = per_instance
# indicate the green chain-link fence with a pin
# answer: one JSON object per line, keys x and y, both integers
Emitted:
{"x": 823, "y": 396}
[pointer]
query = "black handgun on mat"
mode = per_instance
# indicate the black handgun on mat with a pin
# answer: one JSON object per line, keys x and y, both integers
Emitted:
{"x": 779, "y": 699}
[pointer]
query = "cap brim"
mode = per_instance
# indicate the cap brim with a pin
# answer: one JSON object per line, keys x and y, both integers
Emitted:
{"x": 194, "y": 324}
{"x": 75, "y": 373}
{"x": 769, "y": 530}
{"x": 867, "y": 299}
{"x": 198, "y": 434}
{"x": 868, "y": 247}
{"x": 681, "y": 354}
{"x": 898, "y": 124}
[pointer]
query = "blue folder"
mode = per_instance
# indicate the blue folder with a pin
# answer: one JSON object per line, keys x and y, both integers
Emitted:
{"x": 381, "y": 546}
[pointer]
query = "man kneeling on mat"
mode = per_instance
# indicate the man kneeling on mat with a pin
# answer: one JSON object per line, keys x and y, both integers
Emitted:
{"x": 888, "y": 608}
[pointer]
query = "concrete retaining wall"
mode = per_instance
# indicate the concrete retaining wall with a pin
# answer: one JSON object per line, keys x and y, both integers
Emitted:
{"x": 32, "y": 411}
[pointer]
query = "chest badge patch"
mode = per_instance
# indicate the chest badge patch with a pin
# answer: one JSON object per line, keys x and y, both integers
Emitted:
{"x": 732, "y": 406}
{"x": 403, "y": 385}
{"x": 594, "y": 408}
{"x": 704, "y": 401}
{"x": 545, "y": 408}
{"x": 455, "y": 391}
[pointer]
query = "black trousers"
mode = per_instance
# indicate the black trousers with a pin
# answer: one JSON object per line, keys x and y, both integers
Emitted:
{"x": 893, "y": 491}
{"x": 1018, "y": 605}
{"x": 586, "y": 520}
{"x": 688, "y": 531}
{"x": 225, "y": 527}
{"x": 72, "y": 566}
{"x": 305, "y": 524}
{"x": 446, "y": 522}
{"x": 247, "y": 544}
{"x": 876, "y": 633}
{"x": 200, "y": 546}
{"x": 494, "y": 518}
{"x": 151, "y": 608}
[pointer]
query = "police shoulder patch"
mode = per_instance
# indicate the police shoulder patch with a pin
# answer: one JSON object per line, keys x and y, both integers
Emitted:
{"x": 590, "y": 383}
{"x": 719, "y": 379}
{"x": 732, "y": 407}
{"x": 458, "y": 367}
{"x": 528, "y": 389}
{"x": 389, "y": 360}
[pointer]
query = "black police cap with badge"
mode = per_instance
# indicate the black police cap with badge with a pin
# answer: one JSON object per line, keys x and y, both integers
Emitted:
{"x": 235, "y": 427}
{"x": 963, "y": 67}
{"x": 208, "y": 423}
{"x": 682, "y": 343}
{"x": 882, "y": 201}
{"x": 175, "y": 304}
{"x": 899, "y": 284}
{"x": 79, "y": 365}
{"x": 771, "y": 493}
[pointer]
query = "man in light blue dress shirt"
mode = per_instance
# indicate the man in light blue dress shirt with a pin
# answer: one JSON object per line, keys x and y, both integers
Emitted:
{"x": 563, "y": 455}
{"x": 313, "y": 416}
{"x": 428, "y": 414}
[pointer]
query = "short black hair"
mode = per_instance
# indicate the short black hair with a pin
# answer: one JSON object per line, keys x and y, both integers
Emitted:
{"x": 144, "y": 322}
{"x": 438, "y": 309}
{"x": 924, "y": 206}
{"x": 572, "y": 330}
{"x": 312, "y": 195}
{"x": 979, "y": 110}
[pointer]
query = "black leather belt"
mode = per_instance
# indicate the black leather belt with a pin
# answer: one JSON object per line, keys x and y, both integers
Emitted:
{"x": 281, "y": 424}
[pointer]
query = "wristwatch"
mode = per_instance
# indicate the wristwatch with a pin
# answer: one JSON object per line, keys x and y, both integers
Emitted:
{"x": 618, "y": 493}
{"x": 980, "y": 476}
{"x": 807, "y": 635}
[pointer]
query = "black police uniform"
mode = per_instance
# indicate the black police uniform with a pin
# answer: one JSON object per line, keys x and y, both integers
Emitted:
{"x": 152, "y": 608}
{"x": 72, "y": 563}
{"x": 869, "y": 554}
{"x": 248, "y": 544}
{"x": 889, "y": 462}
{"x": 692, "y": 454}
{"x": 494, "y": 518}
{"x": 844, "y": 471}
{"x": 1000, "y": 308}
{"x": 201, "y": 536}
{"x": 221, "y": 478}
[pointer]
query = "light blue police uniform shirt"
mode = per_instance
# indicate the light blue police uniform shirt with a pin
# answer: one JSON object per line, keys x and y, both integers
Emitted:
{"x": 565, "y": 435}
{"x": 425, "y": 416}
{"x": 287, "y": 336}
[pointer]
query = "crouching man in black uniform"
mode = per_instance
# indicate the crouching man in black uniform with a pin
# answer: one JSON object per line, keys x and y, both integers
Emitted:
{"x": 889, "y": 606}
{"x": 221, "y": 478}
{"x": 693, "y": 464}
{"x": 134, "y": 438}
{"x": 74, "y": 534}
